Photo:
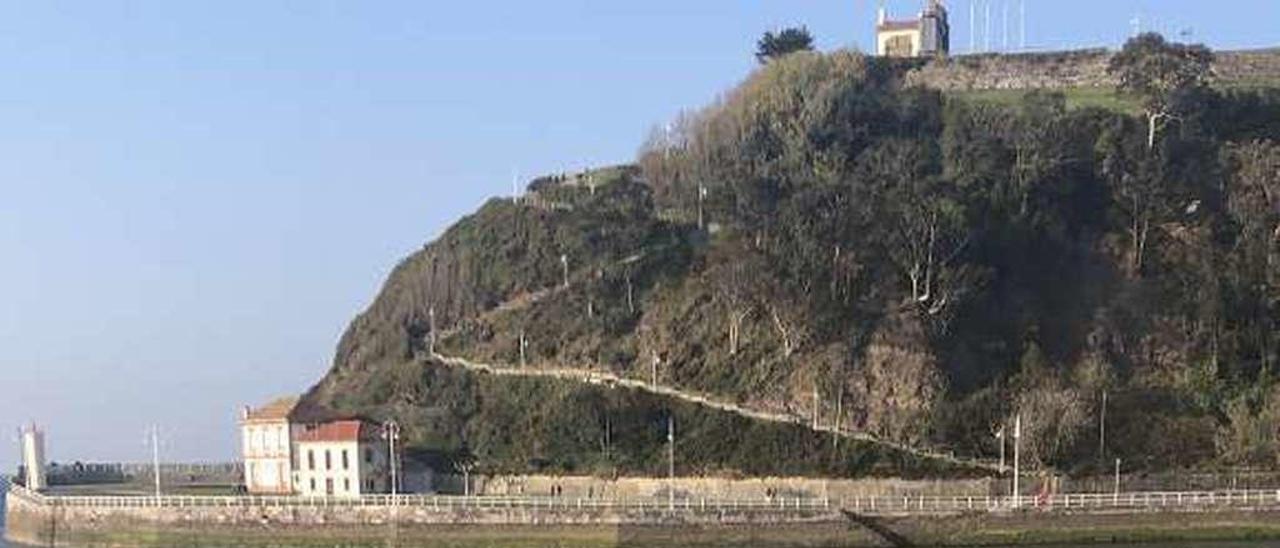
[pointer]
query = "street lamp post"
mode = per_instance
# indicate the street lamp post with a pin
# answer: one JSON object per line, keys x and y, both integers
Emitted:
{"x": 391, "y": 431}
{"x": 155, "y": 457}
{"x": 1116, "y": 490}
{"x": 671, "y": 462}
{"x": 1017, "y": 443}
{"x": 1000, "y": 438}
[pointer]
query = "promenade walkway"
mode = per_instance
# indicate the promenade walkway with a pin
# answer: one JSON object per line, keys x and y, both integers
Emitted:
{"x": 1145, "y": 502}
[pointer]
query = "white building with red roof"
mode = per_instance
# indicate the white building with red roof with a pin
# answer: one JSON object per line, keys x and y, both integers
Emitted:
{"x": 341, "y": 458}
{"x": 285, "y": 454}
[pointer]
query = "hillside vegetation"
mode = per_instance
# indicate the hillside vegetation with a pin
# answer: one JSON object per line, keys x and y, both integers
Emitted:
{"x": 825, "y": 243}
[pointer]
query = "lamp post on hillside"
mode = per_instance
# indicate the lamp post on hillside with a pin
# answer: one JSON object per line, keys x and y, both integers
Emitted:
{"x": 564, "y": 265}
{"x": 702, "y": 197}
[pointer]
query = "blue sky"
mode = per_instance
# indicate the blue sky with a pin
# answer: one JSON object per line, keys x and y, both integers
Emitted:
{"x": 196, "y": 197}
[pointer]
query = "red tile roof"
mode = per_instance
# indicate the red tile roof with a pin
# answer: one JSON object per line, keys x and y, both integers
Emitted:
{"x": 912, "y": 24}
{"x": 336, "y": 431}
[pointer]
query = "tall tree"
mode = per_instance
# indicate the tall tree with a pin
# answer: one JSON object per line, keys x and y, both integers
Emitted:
{"x": 1164, "y": 74}
{"x": 925, "y": 230}
{"x": 787, "y": 41}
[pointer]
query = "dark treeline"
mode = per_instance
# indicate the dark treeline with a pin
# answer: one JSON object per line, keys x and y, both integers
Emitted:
{"x": 1023, "y": 258}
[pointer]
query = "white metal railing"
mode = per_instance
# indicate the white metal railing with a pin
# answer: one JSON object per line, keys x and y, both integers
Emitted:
{"x": 906, "y": 504}
{"x": 1084, "y": 502}
{"x": 448, "y": 502}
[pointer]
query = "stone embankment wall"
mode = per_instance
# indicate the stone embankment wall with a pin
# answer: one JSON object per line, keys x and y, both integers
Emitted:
{"x": 718, "y": 488}
{"x": 1072, "y": 69}
{"x": 45, "y": 522}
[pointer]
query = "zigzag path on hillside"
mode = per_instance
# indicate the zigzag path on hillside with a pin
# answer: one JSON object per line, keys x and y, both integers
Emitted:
{"x": 609, "y": 379}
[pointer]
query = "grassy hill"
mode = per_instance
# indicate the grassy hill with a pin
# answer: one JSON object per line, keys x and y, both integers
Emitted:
{"x": 915, "y": 267}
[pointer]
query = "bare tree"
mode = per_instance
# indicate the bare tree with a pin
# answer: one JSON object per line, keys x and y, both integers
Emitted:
{"x": 925, "y": 232}
{"x": 735, "y": 279}
{"x": 1162, "y": 73}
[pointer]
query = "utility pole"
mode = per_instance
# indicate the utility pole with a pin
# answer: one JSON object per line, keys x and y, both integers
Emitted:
{"x": 155, "y": 457}
{"x": 1116, "y": 491}
{"x": 1000, "y": 436}
{"x": 653, "y": 369}
{"x": 986, "y": 33}
{"x": 816, "y": 403}
{"x": 1017, "y": 443}
{"x": 973, "y": 16}
{"x": 839, "y": 422}
{"x": 466, "y": 479}
{"x": 392, "y": 432}
{"x": 1102, "y": 430}
{"x": 515, "y": 187}
{"x": 1005, "y": 45}
{"x": 1022, "y": 26}
{"x": 671, "y": 462}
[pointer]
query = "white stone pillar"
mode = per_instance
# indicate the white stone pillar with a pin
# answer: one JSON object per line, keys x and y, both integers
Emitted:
{"x": 33, "y": 458}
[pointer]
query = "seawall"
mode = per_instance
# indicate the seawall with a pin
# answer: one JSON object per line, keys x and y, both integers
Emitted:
{"x": 1073, "y": 69}
{"x": 495, "y": 521}
{"x": 717, "y": 488}
{"x": 48, "y": 521}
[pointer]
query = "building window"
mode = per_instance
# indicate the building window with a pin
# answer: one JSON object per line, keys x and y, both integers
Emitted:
{"x": 313, "y": 485}
{"x": 346, "y": 485}
{"x": 368, "y": 455}
{"x": 328, "y": 460}
{"x": 899, "y": 46}
{"x": 346, "y": 463}
{"x": 311, "y": 461}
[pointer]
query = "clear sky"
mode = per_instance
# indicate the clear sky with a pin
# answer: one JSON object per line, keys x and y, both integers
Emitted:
{"x": 196, "y": 197}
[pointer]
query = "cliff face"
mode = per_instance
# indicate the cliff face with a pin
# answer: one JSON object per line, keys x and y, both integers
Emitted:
{"x": 502, "y": 252}
{"x": 903, "y": 267}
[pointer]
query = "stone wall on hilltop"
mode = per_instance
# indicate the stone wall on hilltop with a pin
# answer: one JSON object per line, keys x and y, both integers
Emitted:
{"x": 1071, "y": 69}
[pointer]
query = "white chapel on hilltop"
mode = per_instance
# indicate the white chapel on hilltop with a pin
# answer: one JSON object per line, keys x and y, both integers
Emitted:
{"x": 927, "y": 35}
